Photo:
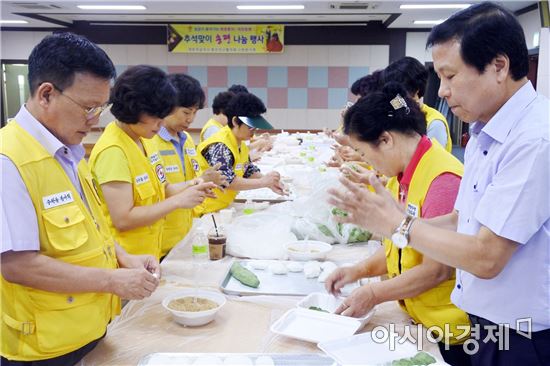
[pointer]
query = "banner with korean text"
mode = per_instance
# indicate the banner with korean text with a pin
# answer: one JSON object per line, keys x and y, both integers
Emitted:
{"x": 226, "y": 38}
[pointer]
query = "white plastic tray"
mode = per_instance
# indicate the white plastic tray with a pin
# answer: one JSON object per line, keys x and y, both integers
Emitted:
{"x": 314, "y": 326}
{"x": 361, "y": 349}
{"x": 330, "y": 304}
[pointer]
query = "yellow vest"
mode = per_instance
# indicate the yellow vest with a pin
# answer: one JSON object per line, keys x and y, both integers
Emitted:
{"x": 433, "y": 114}
{"x": 226, "y": 137}
{"x": 433, "y": 307}
{"x": 179, "y": 222}
{"x": 147, "y": 183}
{"x": 211, "y": 122}
{"x": 38, "y": 324}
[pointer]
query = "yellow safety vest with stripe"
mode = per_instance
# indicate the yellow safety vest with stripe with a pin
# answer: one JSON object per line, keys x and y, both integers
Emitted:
{"x": 432, "y": 307}
{"x": 211, "y": 122}
{"x": 178, "y": 222}
{"x": 148, "y": 177}
{"x": 433, "y": 114}
{"x": 241, "y": 158}
{"x": 38, "y": 324}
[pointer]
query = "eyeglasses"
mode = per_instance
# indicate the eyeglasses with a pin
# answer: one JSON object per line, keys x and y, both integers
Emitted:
{"x": 90, "y": 112}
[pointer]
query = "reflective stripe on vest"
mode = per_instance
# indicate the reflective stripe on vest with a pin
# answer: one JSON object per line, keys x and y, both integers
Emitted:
{"x": 211, "y": 122}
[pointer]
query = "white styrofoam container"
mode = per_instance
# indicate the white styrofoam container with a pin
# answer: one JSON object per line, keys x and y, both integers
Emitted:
{"x": 361, "y": 349}
{"x": 330, "y": 304}
{"x": 314, "y": 326}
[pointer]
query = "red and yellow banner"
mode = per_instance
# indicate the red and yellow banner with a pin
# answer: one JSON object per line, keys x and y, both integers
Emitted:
{"x": 226, "y": 38}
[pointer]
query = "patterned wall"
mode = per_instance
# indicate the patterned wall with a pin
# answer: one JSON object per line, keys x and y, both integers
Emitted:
{"x": 288, "y": 87}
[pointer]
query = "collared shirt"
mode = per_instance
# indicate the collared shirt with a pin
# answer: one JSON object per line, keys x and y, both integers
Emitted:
{"x": 441, "y": 195}
{"x": 19, "y": 222}
{"x": 219, "y": 153}
{"x": 506, "y": 189}
{"x": 178, "y": 143}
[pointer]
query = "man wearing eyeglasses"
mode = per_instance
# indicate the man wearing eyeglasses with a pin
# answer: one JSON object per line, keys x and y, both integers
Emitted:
{"x": 62, "y": 272}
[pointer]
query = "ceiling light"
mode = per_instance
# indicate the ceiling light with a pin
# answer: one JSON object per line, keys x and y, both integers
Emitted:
{"x": 111, "y": 7}
{"x": 429, "y": 22}
{"x": 270, "y": 7}
{"x": 13, "y": 22}
{"x": 434, "y": 6}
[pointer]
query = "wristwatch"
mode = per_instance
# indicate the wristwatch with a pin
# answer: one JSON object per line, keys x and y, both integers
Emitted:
{"x": 400, "y": 237}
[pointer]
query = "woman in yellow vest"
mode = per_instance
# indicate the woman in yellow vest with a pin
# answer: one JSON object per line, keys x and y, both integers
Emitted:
{"x": 178, "y": 151}
{"x": 219, "y": 119}
{"x": 228, "y": 148}
{"x": 388, "y": 128}
{"x": 413, "y": 76}
{"x": 130, "y": 170}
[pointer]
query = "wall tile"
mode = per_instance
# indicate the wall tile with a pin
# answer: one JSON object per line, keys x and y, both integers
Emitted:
{"x": 217, "y": 76}
{"x": 212, "y": 92}
{"x": 237, "y": 75}
{"x": 296, "y": 119}
{"x": 237, "y": 59}
{"x": 216, "y": 59}
{"x": 297, "y": 76}
{"x": 317, "y": 77}
{"x": 296, "y": 55}
{"x": 338, "y": 55}
{"x": 380, "y": 55}
{"x": 177, "y": 69}
{"x": 260, "y": 93}
{"x": 317, "y": 98}
{"x": 359, "y": 55}
{"x": 177, "y": 59}
{"x": 257, "y": 60}
{"x": 117, "y": 53}
{"x": 297, "y": 97}
{"x": 337, "y": 98}
{"x": 277, "y": 76}
{"x": 277, "y": 98}
{"x": 156, "y": 55}
{"x": 356, "y": 73}
{"x": 317, "y": 55}
{"x": 200, "y": 73}
{"x": 338, "y": 77}
{"x": 257, "y": 76}
{"x": 137, "y": 55}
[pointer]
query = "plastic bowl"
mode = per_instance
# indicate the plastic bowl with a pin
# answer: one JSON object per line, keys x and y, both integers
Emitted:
{"x": 307, "y": 250}
{"x": 194, "y": 318}
{"x": 330, "y": 303}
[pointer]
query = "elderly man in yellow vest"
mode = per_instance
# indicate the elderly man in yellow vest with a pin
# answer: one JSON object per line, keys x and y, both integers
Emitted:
{"x": 62, "y": 273}
{"x": 181, "y": 161}
{"x": 228, "y": 148}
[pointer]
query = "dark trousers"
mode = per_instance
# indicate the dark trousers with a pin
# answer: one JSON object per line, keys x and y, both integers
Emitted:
{"x": 65, "y": 360}
{"x": 521, "y": 351}
{"x": 454, "y": 355}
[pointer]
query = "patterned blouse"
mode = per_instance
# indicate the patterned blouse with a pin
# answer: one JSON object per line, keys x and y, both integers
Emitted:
{"x": 219, "y": 153}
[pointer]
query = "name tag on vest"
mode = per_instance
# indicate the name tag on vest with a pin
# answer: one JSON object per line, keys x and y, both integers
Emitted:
{"x": 190, "y": 152}
{"x": 57, "y": 199}
{"x": 140, "y": 179}
{"x": 239, "y": 167}
{"x": 172, "y": 169}
{"x": 412, "y": 209}
{"x": 154, "y": 158}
